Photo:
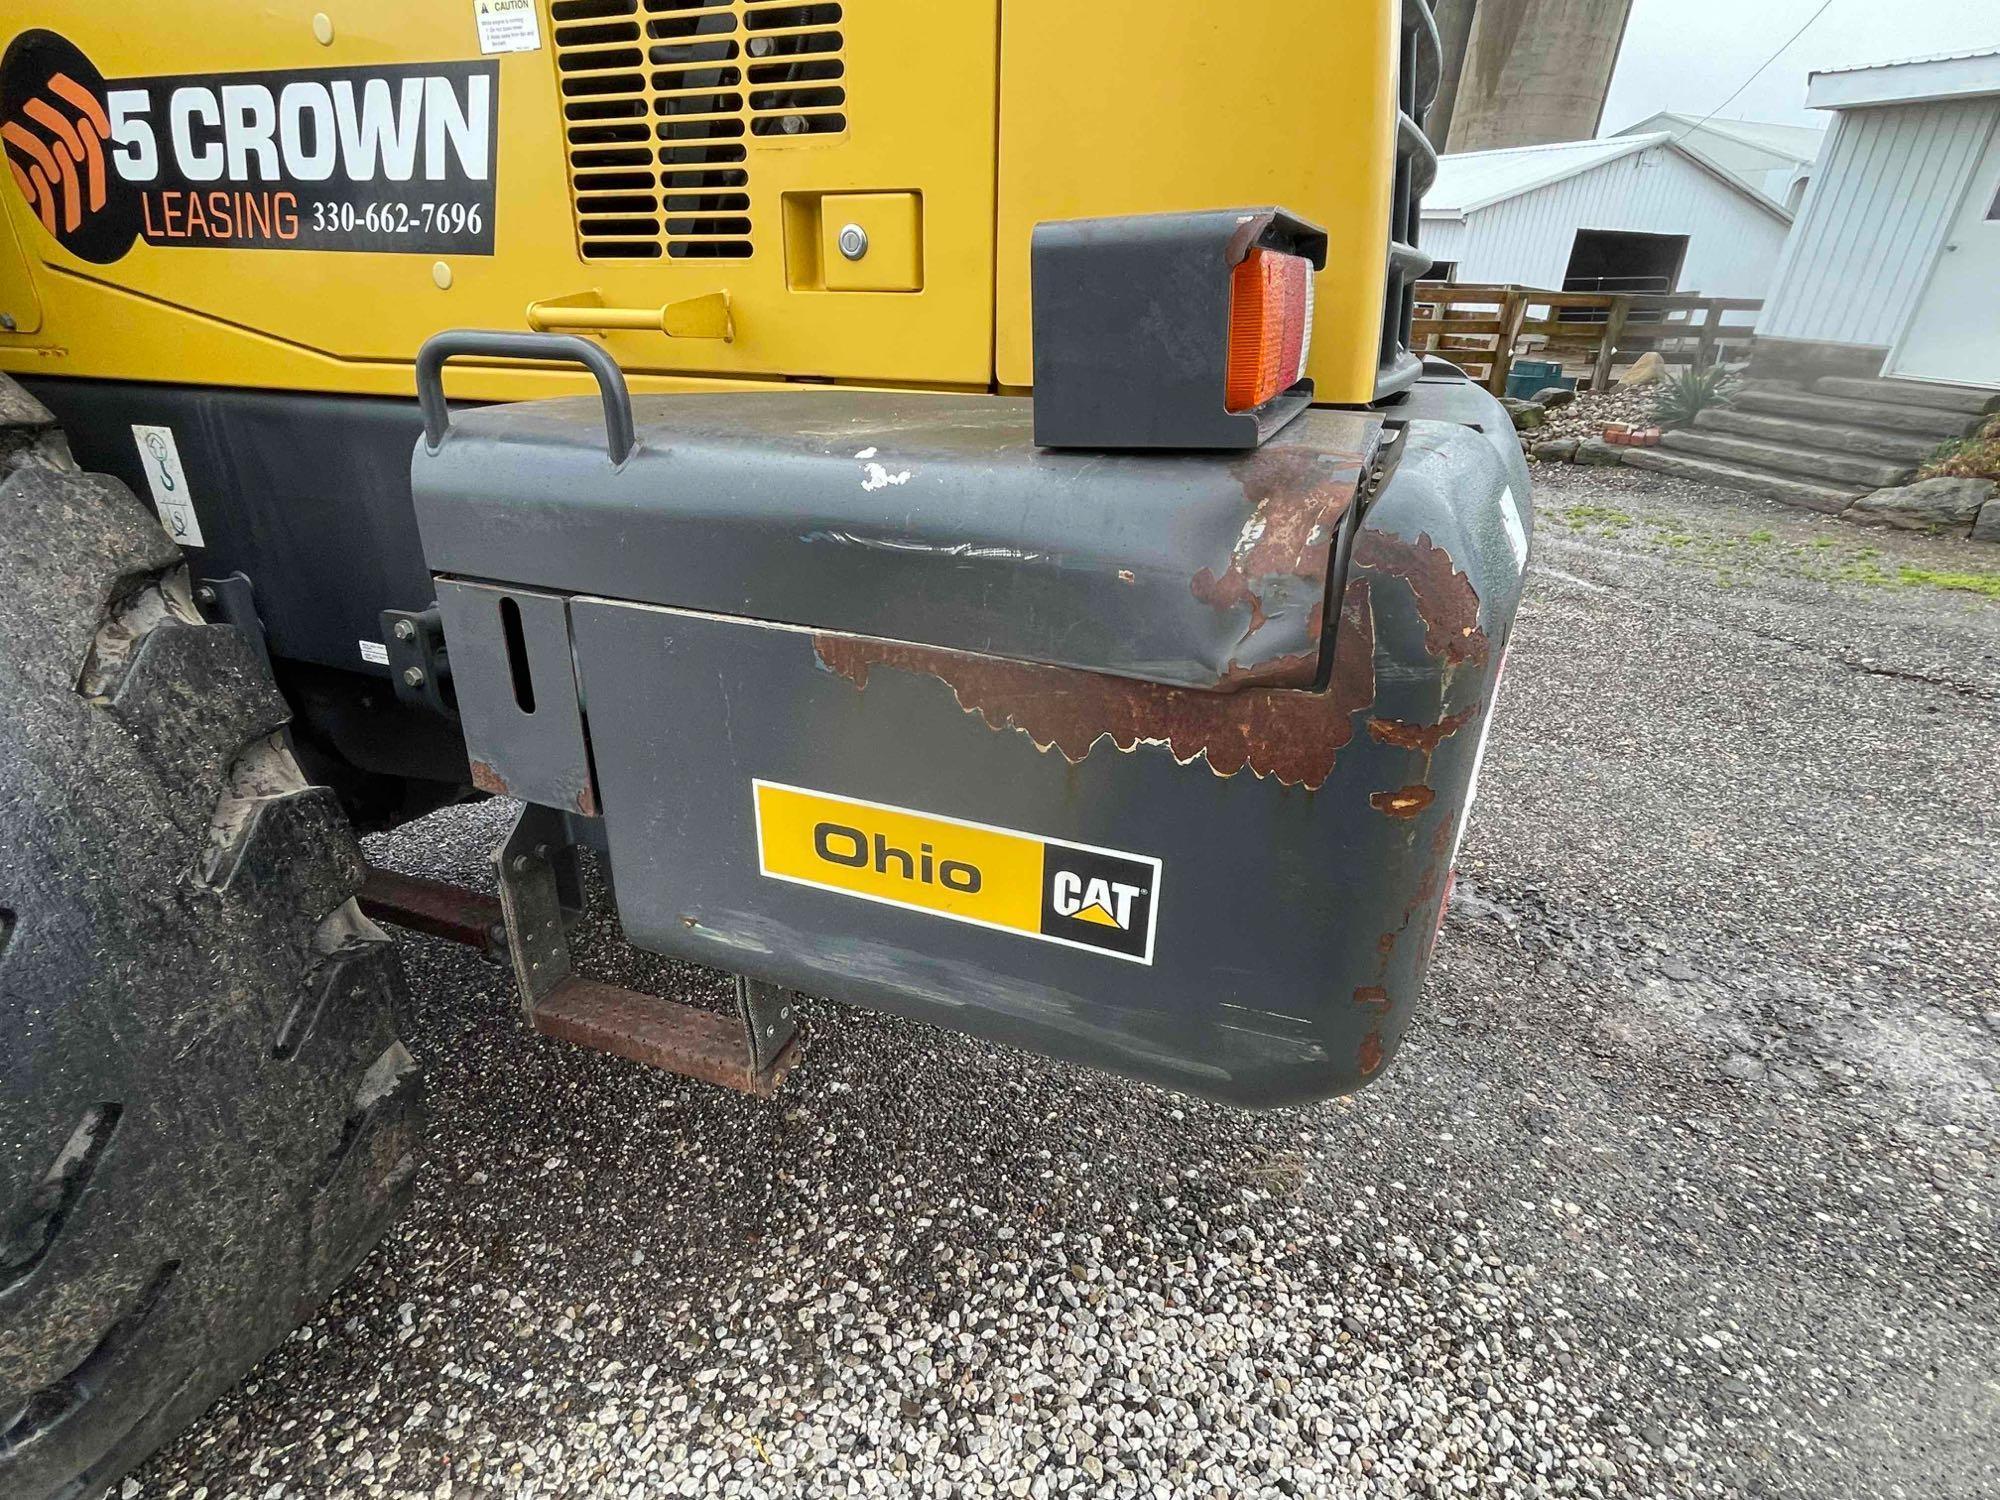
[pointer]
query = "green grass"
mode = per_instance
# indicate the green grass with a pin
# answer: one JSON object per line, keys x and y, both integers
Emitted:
{"x": 1579, "y": 517}
{"x": 1984, "y": 584}
{"x": 1858, "y": 570}
{"x": 1728, "y": 553}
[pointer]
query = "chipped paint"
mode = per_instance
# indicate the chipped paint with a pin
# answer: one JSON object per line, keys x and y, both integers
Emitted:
{"x": 1446, "y": 601}
{"x": 976, "y": 550}
{"x": 1368, "y": 1057}
{"x": 1279, "y": 565}
{"x": 1290, "y": 736}
{"x": 1425, "y": 737}
{"x": 1404, "y": 802}
{"x": 488, "y": 779}
{"x": 875, "y": 477}
{"x": 1371, "y": 994}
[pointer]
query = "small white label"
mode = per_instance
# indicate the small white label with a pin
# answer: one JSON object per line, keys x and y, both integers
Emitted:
{"x": 161, "y": 458}
{"x": 1517, "y": 534}
{"x": 507, "y": 26}
{"x": 376, "y": 652}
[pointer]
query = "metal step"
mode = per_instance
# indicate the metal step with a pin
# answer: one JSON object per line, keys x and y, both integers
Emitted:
{"x": 749, "y": 1050}
{"x": 1923, "y": 420}
{"x": 1953, "y": 398}
{"x": 1825, "y": 436}
{"x": 1789, "y": 488}
{"x": 1836, "y": 468}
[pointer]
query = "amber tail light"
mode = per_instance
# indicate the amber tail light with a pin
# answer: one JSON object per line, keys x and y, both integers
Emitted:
{"x": 1270, "y": 326}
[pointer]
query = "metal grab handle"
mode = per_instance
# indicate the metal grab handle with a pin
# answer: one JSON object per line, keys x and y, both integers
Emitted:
{"x": 619, "y": 437}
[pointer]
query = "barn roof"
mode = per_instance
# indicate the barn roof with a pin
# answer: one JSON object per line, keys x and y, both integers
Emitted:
{"x": 1915, "y": 80}
{"x": 1800, "y": 142}
{"x": 1471, "y": 180}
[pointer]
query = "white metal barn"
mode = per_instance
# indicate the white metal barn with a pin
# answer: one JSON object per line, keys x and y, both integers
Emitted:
{"x": 1627, "y": 214}
{"x": 1775, "y": 159}
{"x": 1896, "y": 255}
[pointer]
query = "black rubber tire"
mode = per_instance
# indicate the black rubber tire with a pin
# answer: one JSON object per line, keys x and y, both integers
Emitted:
{"x": 206, "y": 1114}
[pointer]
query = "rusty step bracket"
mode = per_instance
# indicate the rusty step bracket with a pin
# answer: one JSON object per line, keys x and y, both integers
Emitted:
{"x": 435, "y": 907}
{"x": 540, "y": 895}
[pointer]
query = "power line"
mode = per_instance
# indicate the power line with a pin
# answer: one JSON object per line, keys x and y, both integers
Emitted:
{"x": 1824, "y": 4}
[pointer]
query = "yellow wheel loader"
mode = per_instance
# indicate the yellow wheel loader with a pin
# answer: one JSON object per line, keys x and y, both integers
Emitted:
{"x": 936, "y": 499}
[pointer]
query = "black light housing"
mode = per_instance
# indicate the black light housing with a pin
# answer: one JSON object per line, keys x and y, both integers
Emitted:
{"x": 1132, "y": 325}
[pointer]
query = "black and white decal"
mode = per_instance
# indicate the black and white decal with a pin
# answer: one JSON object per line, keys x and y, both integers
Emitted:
{"x": 392, "y": 158}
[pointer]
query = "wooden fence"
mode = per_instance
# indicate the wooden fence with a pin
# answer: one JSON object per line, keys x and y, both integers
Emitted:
{"x": 1484, "y": 329}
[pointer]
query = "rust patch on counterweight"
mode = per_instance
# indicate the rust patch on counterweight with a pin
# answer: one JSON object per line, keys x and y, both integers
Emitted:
{"x": 1299, "y": 497}
{"x": 1446, "y": 601}
{"x": 487, "y": 779}
{"x": 1289, "y": 735}
{"x": 1368, "y": 1057}
{"x": 1404, "y": 802}
{"x": 1425, "y": 737}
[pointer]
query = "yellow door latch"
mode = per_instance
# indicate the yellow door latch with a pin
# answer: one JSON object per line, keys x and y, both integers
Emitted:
{"x": 703, "y": 317}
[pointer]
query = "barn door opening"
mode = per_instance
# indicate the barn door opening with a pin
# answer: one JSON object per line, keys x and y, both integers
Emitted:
{"x": 1617, "y": 260}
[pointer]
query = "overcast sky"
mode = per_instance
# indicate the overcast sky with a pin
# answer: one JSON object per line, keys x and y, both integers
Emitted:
{"x": 1689, "y": 54}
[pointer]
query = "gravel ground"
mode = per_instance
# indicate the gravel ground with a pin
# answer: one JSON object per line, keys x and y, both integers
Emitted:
{"x": 1684, "y": 1185}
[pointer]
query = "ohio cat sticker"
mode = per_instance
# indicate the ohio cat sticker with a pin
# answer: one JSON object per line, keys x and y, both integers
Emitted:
{"x": 1074, "y": 894}
{"x": 390, "y": 158}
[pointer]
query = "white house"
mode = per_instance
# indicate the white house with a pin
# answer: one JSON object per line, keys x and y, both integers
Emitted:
{"x": 1776, "y": 160}
{"x": 1895, "y": 259}
{"x": 1635, "y": 213}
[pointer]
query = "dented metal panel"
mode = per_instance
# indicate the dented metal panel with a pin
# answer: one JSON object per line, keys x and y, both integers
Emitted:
{"x": 1289, "y": 735}
{"x": 1304, "y": 834}
{"x": 1154, "y": 762}
{"x": 915, "y": 517}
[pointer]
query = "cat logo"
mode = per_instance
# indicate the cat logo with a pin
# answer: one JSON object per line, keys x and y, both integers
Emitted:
{"x": 1073, "y": 894}
{"x": 1105, "y": 902}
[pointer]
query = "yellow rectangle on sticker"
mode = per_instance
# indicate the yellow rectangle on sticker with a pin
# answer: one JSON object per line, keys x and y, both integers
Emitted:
{"x": 1078, "y": 895}
{"x": 978, "y": 874}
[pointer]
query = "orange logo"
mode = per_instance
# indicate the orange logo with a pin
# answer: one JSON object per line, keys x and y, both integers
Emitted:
{"x": 61, "y": 135}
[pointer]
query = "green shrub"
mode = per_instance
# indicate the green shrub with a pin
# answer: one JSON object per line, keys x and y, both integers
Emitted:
{"x": 1684, "y": 395}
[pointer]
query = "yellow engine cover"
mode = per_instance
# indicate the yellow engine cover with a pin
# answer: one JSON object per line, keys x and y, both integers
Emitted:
{"x": 291, "y": 196}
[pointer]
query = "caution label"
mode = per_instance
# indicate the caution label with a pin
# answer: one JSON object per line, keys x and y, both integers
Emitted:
{"x": 506, "y": 26}
{"x": 1074, "y": 894}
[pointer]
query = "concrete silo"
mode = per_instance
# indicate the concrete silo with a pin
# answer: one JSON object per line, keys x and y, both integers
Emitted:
{"x": 1534, "y": 71}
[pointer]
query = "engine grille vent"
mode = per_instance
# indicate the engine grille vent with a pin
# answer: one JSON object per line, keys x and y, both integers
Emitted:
{"x": 665, "y": 103}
